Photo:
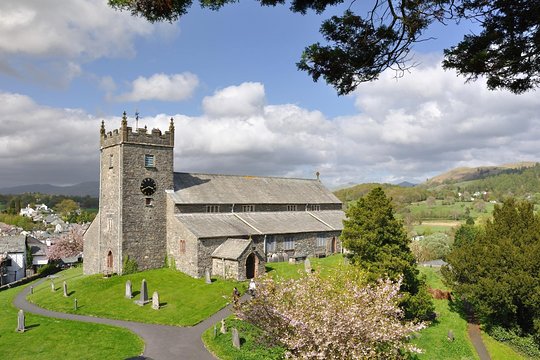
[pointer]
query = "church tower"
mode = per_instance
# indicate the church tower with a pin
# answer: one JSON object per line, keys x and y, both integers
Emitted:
{"x": 136, "y": 167}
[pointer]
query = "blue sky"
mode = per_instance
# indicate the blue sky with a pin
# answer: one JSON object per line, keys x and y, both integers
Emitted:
{"x": 230, "y": 81}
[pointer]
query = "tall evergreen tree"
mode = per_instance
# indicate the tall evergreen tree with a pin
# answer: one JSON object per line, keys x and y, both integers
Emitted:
{"x": 498, "y": 270}
{"x": 378, "y": 244}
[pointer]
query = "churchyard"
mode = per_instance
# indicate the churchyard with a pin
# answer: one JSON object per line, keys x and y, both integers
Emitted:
{"x": 186, "y": 301}
{"x": 46, "y": 338}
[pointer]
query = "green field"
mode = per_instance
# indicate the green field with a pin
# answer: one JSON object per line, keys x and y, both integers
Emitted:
{"x": 185, "y": 301}
{"x": 48, "y": 338}
{"x": 454, "y": 211}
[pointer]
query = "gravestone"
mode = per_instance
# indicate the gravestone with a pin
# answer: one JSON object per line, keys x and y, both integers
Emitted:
{"x": 75, "y": 305}
{"x": 269, "y": 258}
{"x": 285, "y": 257}
{"x": 215, "y": 331}
{"x": 52, "y": 286}
{"x": 207, "y": 276}
{"x": 223, "y": 329}
{"x": 155, "y": 300}
{"x": 307, "y": 266}
{"x": 235, "y": 338}
{"x": 280, "y": 258}
{"x": 31, "y": 289}
{"x": 20, "y": 321}
{"x": 144, "y": 294}
{"x": 64, "y": 286}
{"x": 292, "y": 260}
{"x": 450, "y": 335}
{"x": 275, "y": 257}
{"x": 129, "y": 293}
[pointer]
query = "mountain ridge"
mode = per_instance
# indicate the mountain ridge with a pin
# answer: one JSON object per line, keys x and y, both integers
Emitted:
{"x": 87, "y": 188}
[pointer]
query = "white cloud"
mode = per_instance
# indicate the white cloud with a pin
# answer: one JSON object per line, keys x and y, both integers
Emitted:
{"x": 243, "y": 100}
{"x": 62, "y": 34}
{"x": 162, "y": 87}
{"x": 413, "y": 134}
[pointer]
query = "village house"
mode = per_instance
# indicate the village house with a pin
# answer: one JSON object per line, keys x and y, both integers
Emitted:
{"x": 229, "y": 225}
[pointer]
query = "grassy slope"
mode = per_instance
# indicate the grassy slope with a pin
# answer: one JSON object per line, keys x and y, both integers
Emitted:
{"x": 500, "y": 351}
{"x": 185, "y": 301}
{"x": 433, "y": 340}
{"x": 49, "y": 338}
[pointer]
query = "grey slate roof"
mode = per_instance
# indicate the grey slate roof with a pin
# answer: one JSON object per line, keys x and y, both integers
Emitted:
{"x": 237, "y": 189}
{"x": 209, "y": 225}
{"x": 36, "y": 247}
{"x": 13, "y": 244}
{"x": 231, "y": 249}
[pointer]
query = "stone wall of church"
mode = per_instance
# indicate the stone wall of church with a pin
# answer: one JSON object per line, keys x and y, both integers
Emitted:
{"x": 198, "y": 208}
{"x": 208, "y": 246}
{"x": 91, "y": 248}
{"x": 305, "y": 244}
{"x": 144, "y": 217}
{"x": 182, "y": 245}
{"x": 227, "y": 269}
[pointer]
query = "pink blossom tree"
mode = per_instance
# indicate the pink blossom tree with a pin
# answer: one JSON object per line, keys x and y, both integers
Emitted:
{"x": 67, "y": 244}
{"x": 338, "y": 316}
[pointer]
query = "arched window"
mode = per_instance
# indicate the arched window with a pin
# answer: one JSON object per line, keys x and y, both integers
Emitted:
{"x": 182, "y": 246}
{"x": 110, "y": 260}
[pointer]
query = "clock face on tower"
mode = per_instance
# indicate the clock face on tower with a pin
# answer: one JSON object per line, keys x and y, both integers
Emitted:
{"x": 148, "y": 186}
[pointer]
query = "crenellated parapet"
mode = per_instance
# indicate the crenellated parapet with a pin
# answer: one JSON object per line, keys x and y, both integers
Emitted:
{"x": 126, "y": 134}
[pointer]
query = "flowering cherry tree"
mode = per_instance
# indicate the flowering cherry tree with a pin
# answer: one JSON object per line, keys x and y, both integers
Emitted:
{"x": 332, "y": 317}
{"x": 67, "y": 244}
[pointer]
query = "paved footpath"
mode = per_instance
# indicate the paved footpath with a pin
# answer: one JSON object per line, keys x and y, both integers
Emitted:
{"x": 162, "y": 342}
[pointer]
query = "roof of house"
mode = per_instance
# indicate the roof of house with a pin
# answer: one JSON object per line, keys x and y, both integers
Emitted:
{"x": 211, "y": 225}
{"x": 231, "y": 249}
{"x": 12, "y": 244}
{"x": 37, "y": 248}
{"x": 190, "y": 188}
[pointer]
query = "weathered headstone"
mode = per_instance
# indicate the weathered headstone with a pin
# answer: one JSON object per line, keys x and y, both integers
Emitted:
{"x": 52, "y": 286}
{"x": 285, "y": 257}
{"x": 235, "y": 338}
{"x": 75, "y": 305}
{"x": 144, "y": 294}
{"x": 129, "y": 293}
{"x": 20, "y": 322}
{"x": 215, "y": 331}
{"x": 155, "y": 300}
{"x": 223, "y": 329}
{"x": 307, "y": 266}
{"x": 275, "y": 257}
{"x": 270, "y": 258}
{"x": 31, "y": 289}
{"x": 280, "y": 258}
{"x": 64, "y": 286}
{"x": 292, "y": 260}
{"x": 207, "y": 276}
{"x": 450, "y": 335}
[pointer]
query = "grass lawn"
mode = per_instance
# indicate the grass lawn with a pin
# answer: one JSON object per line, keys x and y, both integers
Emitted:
{"x": 185, "y": 301}
{"x": 450, "y": 212}
{"x": 288, "y": 271}
{"x": 500, "y": 351}
{"x": 250, "y": 343}
{"x": 48, "y": 338}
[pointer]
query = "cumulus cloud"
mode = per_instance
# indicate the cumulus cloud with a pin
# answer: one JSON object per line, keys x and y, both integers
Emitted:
{"x": 246, "y": 99}
{"x": 162, "y": 87}
{"x": 403, "y": 131}
{"x": 35, "y": 29}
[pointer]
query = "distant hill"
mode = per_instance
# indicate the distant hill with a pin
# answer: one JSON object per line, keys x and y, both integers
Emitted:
{"x": 90, "y": 188}
{"x": 406, "y": 184}
{"x": 467, "y": 174}
{"x": 399, "y": 194}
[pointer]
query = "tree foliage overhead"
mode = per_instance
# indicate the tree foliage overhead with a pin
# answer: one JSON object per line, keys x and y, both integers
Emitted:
{"x": 358, "y": 47}
{"x": 497, "y": 269}
{"x": 378, "y": 244}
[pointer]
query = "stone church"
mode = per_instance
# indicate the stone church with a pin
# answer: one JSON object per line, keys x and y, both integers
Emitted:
{"x": 228, "y": 225}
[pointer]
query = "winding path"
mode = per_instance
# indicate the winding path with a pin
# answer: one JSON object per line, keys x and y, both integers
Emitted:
{"x": 162, "y": 342}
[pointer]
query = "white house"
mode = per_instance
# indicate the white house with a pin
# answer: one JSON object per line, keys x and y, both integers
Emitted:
{"x": 13, "y": 252}
{"x": 27, "y": 211}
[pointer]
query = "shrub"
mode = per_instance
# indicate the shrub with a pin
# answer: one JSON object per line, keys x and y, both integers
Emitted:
{"x": 130, "y": 266}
